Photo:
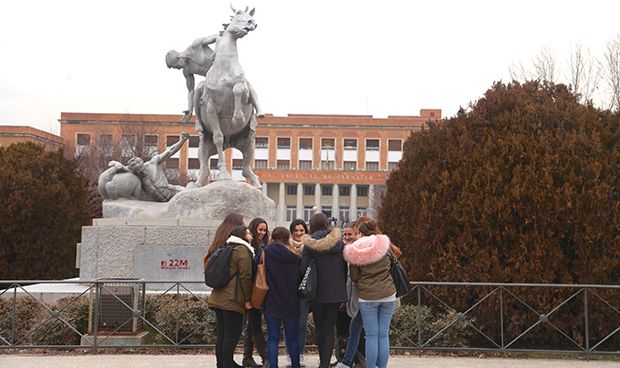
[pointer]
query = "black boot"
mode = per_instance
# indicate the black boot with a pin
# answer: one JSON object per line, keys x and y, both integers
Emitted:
{"x": 248, "y": 349}
{"x": 261, "y": 348}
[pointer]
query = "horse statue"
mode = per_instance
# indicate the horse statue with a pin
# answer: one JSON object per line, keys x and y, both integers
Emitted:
{"x": 225, "y": 104}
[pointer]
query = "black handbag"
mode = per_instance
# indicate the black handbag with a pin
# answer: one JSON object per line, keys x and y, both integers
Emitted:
{"x": 307, "y": 287}
{"x": 401, "y": 281}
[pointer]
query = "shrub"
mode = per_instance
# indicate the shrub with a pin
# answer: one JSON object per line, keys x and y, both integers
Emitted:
{"x": 404, "y": 328}
{"x": 25, "y": 314}
{"x": 196, "y": 323}
{"x": 73, "y": 311}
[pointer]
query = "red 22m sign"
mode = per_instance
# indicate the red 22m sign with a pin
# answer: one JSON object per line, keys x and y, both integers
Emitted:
{"x": 174, "y": 264}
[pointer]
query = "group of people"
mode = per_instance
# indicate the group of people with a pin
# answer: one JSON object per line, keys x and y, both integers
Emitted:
{"x": 352, "y": 275}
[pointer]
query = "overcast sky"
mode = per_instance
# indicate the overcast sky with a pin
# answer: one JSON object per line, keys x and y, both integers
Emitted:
{"x": 319, "y": 57}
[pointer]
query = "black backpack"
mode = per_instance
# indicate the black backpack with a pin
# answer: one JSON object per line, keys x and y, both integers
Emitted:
{"x": 216, "y": 272}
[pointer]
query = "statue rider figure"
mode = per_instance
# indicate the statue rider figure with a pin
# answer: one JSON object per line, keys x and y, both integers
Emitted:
{"x": 198, "y": 59}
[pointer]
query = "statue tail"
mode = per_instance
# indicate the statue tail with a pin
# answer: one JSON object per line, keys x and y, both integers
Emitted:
{"x": 173, "y": 60}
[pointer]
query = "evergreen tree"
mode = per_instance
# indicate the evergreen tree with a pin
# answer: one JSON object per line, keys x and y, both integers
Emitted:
{"x": 522, "y": 187}
{"x": 43, "y": 206}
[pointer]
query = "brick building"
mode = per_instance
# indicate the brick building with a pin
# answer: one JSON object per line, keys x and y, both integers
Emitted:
{"x": 10, "y": 134}
{"x": 329, "y": 163}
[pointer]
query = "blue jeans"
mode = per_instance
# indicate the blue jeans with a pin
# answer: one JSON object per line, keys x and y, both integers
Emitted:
{"x": 377, "y": 317}
{"x": 304, "y": 310}
{"x": 291, "y": 335}
{"x": 355, "y": 334}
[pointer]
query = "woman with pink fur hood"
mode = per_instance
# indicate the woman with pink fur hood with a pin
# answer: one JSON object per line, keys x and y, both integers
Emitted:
{"x": 369, "y": 267}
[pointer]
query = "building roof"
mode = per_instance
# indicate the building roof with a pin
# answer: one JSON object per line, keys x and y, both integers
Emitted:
{"x": 290, "y": 119}
{"x": 21, "y": 133}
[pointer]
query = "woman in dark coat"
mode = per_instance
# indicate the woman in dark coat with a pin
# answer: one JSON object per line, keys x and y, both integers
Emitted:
{"x": 254, "y": 337}
{"x": 325, "y": 246}
{"x": 282, "y": 305}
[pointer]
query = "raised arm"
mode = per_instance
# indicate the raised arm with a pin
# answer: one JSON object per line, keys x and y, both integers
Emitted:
{"x": 205, "y": 41}
{"x": 173, "y": 149}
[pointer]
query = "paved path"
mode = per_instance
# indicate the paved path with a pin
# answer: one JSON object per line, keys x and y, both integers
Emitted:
{"x": 199, "y": 360}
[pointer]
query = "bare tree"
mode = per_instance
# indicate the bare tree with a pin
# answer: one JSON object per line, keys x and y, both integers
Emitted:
{"x": 519, "y": 72}
{"x": 543, "y": 67}
{"x": 584, "y": 72}
{"x": 138, "y": 141}
{"x": 611, "y": 71}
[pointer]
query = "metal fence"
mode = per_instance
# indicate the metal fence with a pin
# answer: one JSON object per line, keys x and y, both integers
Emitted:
{"x": 439, "y": 316}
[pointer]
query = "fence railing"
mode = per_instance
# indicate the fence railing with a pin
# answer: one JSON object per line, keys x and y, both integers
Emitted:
{"x": 440, "y": 316}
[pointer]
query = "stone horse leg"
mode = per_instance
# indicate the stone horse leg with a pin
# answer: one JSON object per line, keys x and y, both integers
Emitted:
{"x": 213, "y": 123}
{"x": 241, "y": 93}
{"x": 246, "y": 146}
{"x": 206, "y": 149}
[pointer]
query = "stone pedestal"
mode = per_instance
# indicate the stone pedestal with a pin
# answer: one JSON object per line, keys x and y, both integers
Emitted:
{"x": 149, "y": 249}
{"x": 165, "y": 241}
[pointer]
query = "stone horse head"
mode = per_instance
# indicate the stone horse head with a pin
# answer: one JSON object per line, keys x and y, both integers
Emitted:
{"x": 241, "y": 23}
{"x": 225, "y": 104}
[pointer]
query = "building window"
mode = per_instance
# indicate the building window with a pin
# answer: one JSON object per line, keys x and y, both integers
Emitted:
{"x": 106, "y": 149}
{"x": 328, "y": 143}
{"x": 284, "y": 143}
{"x": 291, "y": 189}
{"x": 291, "y": 213}
{"x": 309, "y": 189}
{"x": 193, "y": 168}
{"x": 305, "y": 143}
{"x": 344, "y": 190}
{"x": 327, "y": 189}
{"x": 343, "y": 214}
{"x": 237, "y": 164}
{"x": 128, "y": 145}
{"x": 106, "y": 140}
{"x": 151, "y": 140}
{"x": 262, "y": 142}
{"x": 308, "y": 212}
{"x": 362, "y": 190}
{"x": 213, "y": 163}
{"x": 372, "y": 166}
{"x": 328, "y": 165}
{"x": 283, "y": 165}
{"x": 392, "y": 166}
{"x": 83, "y": 139}
{"x": 361, "y": 212}
{"x": 305, "y": 165}
{"x": 193, "y": 164}
{"x": 395, "y": 145}
{"x": 171, "y": 140}
{"x": 172, "y": 163}
{"x": 260, "y": 164}
{"x": 327, "y": 211}
{"x": 194, "y": 141}
{"x": 83, "y": 144}
{"x": 372, "y": 144}
{"x": 150, "y": 145}
{"x": 350, "y": 144}
{"x": 349, "y": 165}
{"x": 172, "y": 169}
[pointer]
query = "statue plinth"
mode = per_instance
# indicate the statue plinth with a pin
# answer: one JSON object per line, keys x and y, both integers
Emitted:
{"x": 165, "y": 241}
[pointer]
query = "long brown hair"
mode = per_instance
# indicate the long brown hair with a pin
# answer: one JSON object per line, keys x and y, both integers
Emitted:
{"x": 231, "y": 221}
{"x": 318, "y": 222}
{"x": 253, "y": 226}
{"x": 368, "y": 227}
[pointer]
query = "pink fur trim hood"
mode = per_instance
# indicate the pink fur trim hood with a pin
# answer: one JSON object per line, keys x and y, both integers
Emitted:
{"x": 367, "y": 250}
